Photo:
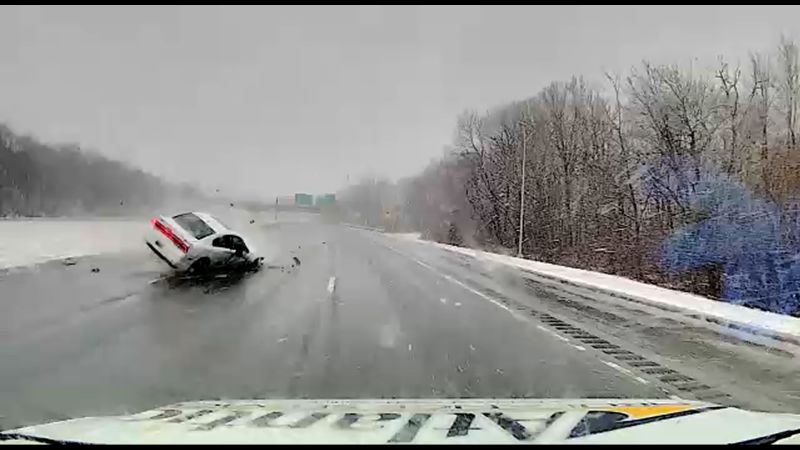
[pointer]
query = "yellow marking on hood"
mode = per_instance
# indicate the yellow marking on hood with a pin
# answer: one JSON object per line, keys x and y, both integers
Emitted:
{"x": 641, "y": 412}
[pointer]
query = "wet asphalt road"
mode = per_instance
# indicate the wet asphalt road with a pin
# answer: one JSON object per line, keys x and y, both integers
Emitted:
{"x": 363, "y": 316}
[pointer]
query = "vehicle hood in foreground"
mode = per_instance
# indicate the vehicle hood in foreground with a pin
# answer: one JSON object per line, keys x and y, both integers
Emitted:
{"x": 425, "y": 421}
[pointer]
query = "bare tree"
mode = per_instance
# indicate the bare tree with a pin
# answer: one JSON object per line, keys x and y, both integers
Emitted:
{"x": 788, "y": 86}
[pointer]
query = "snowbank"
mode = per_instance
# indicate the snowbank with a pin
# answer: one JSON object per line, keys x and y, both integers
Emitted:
{"x": 780, "y": 326}
{"x": 25, "y": 242}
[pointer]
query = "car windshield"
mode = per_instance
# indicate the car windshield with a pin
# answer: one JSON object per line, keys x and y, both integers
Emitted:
{"x": 194, "y": 225}
{"x": 400, "y": 220}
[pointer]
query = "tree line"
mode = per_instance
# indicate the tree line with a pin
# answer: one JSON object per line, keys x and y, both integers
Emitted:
{"x": 686, "y": 177}
{"x": 38, "y": 179}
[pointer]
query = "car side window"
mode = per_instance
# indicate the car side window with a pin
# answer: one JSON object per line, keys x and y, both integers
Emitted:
{"x": 238, "y": 243}
{"x": 222, "y": 242}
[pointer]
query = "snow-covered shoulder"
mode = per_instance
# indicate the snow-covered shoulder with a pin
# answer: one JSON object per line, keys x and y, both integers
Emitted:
{"x": 726, "y": 312}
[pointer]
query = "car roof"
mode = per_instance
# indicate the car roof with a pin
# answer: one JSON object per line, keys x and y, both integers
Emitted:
{"x": 212, "y": 222}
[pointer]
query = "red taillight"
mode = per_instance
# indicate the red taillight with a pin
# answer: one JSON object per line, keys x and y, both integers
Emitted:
{"x": 180, "y": 243}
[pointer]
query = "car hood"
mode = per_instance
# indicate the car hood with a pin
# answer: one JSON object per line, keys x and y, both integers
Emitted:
{"x": 424, "y": 421}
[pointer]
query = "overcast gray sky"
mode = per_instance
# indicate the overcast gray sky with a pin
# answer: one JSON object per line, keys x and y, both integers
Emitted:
{"x": 283, "y": 99}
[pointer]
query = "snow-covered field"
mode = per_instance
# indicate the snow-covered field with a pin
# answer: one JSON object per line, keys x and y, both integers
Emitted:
{"x": 724, "y": 312}
{"x": 24, "y": 242}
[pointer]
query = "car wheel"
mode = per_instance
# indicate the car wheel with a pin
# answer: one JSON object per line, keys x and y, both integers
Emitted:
{"x": 200, "y": 266}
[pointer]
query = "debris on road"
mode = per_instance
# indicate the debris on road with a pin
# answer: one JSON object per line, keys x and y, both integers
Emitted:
{"x": 296, "y": 261}
{"x": 95, "y": 270}
{"x": 283, "y": 339}
{"x": 252, "y": 221}
{"x": 69, "y": 262}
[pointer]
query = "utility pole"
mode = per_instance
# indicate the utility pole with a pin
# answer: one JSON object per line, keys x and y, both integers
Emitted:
{"x": 522, "y": 191}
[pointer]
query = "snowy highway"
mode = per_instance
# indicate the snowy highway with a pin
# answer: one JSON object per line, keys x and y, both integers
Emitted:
{"x": 364, "y": 315}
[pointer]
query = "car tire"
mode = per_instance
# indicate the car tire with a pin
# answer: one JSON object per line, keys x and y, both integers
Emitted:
{"x": 200, "y": 267}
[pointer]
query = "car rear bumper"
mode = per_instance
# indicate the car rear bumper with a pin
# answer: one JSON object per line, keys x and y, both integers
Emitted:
{"x": 160, "y": 255}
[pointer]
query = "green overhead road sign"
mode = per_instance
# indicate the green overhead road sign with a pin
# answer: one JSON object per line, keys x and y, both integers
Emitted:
{"x": 325, "y": 200}
{"x": 303, "y": 199}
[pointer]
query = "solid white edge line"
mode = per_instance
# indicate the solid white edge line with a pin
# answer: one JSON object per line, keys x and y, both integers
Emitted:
{"x": 627, "y": 372}
{"x": 617, "y": 367}
{"x": 552, "y": 333}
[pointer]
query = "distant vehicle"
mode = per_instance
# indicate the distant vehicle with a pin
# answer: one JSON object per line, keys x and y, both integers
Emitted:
{"x": 197, "y": 242}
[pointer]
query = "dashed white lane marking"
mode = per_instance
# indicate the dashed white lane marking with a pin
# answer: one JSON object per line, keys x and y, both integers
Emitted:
{"x": 331, "y": 285}
{"x": 409, "y": 347}
{"x": 578, "y": 347}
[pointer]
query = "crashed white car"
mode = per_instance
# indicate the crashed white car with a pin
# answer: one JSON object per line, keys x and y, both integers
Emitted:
{"x": 197, "y": 242}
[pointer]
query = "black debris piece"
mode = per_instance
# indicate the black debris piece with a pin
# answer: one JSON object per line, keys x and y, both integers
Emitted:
{"x": 231, "y": 204}
{"x": 323, "y": 242}
{"x": 95, "y": 269}
{"x": 252, "y": 221}
{"x": 296, "y": 260}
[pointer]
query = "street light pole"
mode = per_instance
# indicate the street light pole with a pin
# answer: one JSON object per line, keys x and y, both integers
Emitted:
{"x": 522, "y": 191}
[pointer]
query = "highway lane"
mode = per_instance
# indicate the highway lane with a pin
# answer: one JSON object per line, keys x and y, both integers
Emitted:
{"x": 690, "y": 357}
{"x": 362, "y": 316}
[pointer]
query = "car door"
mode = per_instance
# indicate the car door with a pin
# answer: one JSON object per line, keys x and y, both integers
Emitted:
{"x": 239, "y": 248}
{"x": 223, "y": 250}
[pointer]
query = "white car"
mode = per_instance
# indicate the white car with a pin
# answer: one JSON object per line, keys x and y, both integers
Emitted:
{"x": 197, "y": 242}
